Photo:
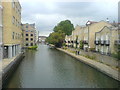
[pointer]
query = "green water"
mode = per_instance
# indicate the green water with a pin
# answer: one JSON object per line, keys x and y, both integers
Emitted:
{"x": 50, "y": 68}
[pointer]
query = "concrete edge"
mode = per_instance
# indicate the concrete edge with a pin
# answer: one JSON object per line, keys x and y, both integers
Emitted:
{"x": 92, "y": 65}
{"x": 8, "y": 71}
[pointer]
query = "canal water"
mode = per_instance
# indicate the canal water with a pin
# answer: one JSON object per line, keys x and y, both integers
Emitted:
{"x": 50, "y": 68}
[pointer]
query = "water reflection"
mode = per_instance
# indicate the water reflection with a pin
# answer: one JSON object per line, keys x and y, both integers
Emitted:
{"x": 50, "y": 68}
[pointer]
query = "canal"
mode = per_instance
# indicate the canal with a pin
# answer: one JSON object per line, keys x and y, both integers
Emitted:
{"x": 50, "y": 68}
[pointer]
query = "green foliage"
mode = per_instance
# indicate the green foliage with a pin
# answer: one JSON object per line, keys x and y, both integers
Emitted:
{"x": 63, "y": 44}
{"x": 92, "y": 49}
{"x": 56, "y": 38}
{"x": 81, "y": 44}
{"x": 65, "y": 26}
{"x": 65, "y": 48}
{"x": 117, "y": 54}
{"x": 90, "y": 57}
{"x": 33, "y": 47}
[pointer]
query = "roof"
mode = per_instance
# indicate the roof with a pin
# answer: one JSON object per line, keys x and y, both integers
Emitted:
{"x": 90, "y": 22}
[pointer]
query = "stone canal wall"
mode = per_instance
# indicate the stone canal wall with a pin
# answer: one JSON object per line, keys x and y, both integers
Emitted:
{"x": 111, "y": 72}
{"x": 8, "y": 70}
{"x": 101, "y": 58}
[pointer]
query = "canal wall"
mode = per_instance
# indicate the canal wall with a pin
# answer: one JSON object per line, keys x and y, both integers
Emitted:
{"x": 101, "y": 58}
{"x": 10, "y": 68}
{"x": 111, "y": 72}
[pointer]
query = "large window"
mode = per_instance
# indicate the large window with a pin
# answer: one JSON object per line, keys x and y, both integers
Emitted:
{"x": 31, "y": 44}
{"x": 26, "y": 39}
{"x": 13, "y": 35}
{"x": 26, "y": 44}
{"x": 31, "y": 39}
{"x": 16, "y": 22}
{"x": 13, "y": 3}
{"x": 13, "y": 20}
{"x": 31, "y": 34}
{"x": 26, "y": 34}
{"x": 26, "y": 26}
{"x": 16, "y": 35}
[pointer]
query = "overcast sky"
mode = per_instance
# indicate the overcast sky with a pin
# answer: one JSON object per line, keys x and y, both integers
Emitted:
{"x": 47, "y": 13}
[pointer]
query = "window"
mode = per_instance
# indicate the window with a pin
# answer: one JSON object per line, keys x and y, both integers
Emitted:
{"x": 31, "y": 34}
{"x": 13, "y": 35}
{"x": 26, "y": 39}
{"x": 31, "y": 39}
{"x": 13, "y": 4}
{"x": 26, "y": 26}
{"x": 26, "y": 44}
{"x": 16, "y": 35}
{"x": 31, "y": 44}
{"x": 16, "y": 22}
{"x": 13, "y": 20}
{"x": 26, "y": 34}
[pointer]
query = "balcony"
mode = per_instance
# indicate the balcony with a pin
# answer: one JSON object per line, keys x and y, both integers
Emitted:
{"x": 85, "y": 42}
{"x": 102, "y": 42}
{"x": 117, "y": 42}
{"x": 97, "y": 42}
{"x": 107, "y": 42}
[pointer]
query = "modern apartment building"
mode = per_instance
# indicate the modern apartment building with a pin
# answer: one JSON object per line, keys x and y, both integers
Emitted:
{"x": 12, "y": 33}
{"x": 75, "y": 35}
{"x": 29, "y": 34}
{"x": 86, "y": 34}
{"x": 89, "y": 32}
{"x": 106, "y": 40}
{"x": 1, "y": 35}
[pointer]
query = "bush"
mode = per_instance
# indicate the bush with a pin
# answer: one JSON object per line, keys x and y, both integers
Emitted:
{"x": 33, "y": 47}
{"x": 90, "y": 57}
{"x": 92, "y": 49}
{"x": 116, "y": 55}
{"x": 65, "y": 48}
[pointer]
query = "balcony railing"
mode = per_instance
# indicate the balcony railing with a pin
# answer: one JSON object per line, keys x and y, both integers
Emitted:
{"x": 117, "y": 42}
{"x": 97, "y": 42}
{"x": 102, "y": 42}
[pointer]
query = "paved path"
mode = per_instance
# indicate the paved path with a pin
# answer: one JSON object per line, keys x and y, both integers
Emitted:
{"x": 99, "y": 66}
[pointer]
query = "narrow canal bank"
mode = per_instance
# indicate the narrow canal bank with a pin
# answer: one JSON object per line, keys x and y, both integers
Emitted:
{"x": 50, "y": 68}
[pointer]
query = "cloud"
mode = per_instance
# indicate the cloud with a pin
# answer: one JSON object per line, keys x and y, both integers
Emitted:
{"x": 47, "y": 14}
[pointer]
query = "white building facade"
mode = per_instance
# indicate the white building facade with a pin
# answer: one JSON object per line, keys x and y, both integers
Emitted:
{"x": 106, "y": 40}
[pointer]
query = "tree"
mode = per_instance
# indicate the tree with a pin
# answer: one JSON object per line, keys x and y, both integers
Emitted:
{"x": 65, "y": 26}
{"x": 56, "y": 38}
